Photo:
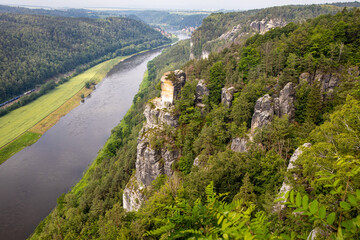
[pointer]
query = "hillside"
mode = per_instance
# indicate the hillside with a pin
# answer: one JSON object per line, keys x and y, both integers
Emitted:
{"x": 223, "y": 29}
{"x": 275, "y": 115}
{"x": 35, "y": 47}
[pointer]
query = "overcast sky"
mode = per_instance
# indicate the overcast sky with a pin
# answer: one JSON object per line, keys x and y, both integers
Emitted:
{"x": 163, "y": 4}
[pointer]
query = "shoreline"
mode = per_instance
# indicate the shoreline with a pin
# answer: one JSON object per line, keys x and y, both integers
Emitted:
{"x": 44, "y": 124}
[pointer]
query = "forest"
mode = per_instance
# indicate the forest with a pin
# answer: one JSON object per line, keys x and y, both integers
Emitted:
{"x": 229, "y": 194}
{"x": 217, "y": 24}
{"x": 35, "y": 48}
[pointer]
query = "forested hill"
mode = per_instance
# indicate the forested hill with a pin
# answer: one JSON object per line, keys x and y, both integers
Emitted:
{"x": 278, "y": 113}
{"x": 34, "y": 48}
{"x": 53, "y": 12}
{"x": 222, "y": 29}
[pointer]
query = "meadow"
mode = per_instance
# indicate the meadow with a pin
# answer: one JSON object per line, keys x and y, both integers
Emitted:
{"x": 43, "y": 111}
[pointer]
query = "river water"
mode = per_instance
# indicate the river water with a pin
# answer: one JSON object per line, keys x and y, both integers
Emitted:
{"x": 32, "y": 180}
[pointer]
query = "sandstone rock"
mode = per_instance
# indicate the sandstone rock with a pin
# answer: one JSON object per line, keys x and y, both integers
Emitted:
{"x": 227, "y": 95}
{"x": 265, "y": 25}
{"x": 205, "y": 54}
{"x": 285, "y": 104}
{"x": 305, "y": 77}
{"x": 239, "y": 144}
{"x": 263, "y": 112}
{"x": 286, "y": 187}
{"x": 150, "y": 163}
{"x": 201, "y": 91}
{"x": 231, "y": 35}
{"x": 157, "y": 114}
{"x": 133, "y": 195}
{"x": 171, "y": 87}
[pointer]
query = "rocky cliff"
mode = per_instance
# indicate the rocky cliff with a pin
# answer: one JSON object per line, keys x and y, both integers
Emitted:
{"x": 266, "y": 107}
{"x": 152, "y": 159}
{"x": 266, "y": 25}
{"x": 286, "y": 186}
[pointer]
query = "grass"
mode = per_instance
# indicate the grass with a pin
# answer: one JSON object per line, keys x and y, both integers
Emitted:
{"x": 35, "y": 118}
{"x": 22, "y": 119}
{"x": 21, "y": 142}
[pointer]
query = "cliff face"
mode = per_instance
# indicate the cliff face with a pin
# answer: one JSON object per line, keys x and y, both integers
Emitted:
{"x": 153, "y": 160}
{"x": 238, "y": 32}
{"x": 266, "y": 25}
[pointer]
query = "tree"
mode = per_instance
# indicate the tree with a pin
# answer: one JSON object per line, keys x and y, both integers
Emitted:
{"x": 216, "y": 82}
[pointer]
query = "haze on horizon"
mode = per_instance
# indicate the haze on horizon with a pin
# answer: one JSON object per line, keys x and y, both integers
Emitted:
{"x": 163, "y": 4}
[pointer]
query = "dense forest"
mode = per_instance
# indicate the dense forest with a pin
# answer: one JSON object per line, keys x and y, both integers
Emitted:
{"x": 230, "y": 194}
{"x": 34, "y": 48}
{"x": 219, "y": 23}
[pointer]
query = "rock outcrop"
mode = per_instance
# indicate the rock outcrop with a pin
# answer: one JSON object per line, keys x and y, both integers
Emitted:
{"x": 171, "y": 85}
{"x": 266, "y": 25}
{"x": 157, "y": 113}
{"x": 328, "y": 82}
{"x": 263, "y": 112}
{"x": 232, "y": 34}
{"x": 266, "y": 107}
{"x": 201, "y": 91}
{"x": 152, "y": 160}
{"x": 227, "y": 96}
{"x": 285, "y": 103}
{"x": 286, "y": 187}
{"x": 239, "y": 144}
{"x": 133, "y": 195}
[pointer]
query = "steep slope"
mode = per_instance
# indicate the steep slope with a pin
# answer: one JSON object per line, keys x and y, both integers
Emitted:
{"x": 35, "y": 48}
{"x": 292, "y": 85}
{"x": 223, "y": 29}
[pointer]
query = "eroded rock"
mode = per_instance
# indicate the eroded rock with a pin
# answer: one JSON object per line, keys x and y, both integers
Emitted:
{"x": 286, "y": 187}
{"x": 133, "y": 195}
{"x": 263, "y": 112}
{"x": 151, "y": 161}
{"x": 266, "y": 25}
{"x": 227, "y": 96}
{"x": 171, "y": 85}
{"x": 201, "y": 91}
{"x": 285, "y": 103}
{"x": 239, "y": 144}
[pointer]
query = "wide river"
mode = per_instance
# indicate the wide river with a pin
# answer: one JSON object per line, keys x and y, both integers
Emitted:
{"x": 32, "y": 180}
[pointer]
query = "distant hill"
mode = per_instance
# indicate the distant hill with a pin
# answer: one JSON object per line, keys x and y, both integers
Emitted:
{"x": 59, "y": 13}
{"x": 34, "y": 48}
{"x": 222, "y": 29}
{"x": 174, "y": 20}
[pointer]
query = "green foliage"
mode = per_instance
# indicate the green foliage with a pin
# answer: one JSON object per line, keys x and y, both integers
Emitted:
{"x": 15, "y": 146}
{"x": 216, "y": 82}
{"x": 250, "y": 58}
{"x": 35, "y": 48}
{"x": 214, "y": 219}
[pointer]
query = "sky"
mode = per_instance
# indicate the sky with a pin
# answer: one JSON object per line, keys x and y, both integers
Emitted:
{"x": 163, "y": 4}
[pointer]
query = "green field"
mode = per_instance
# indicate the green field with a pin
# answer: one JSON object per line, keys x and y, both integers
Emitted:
{"x": 21, "y": 142}
{"x": 20, "y": 120}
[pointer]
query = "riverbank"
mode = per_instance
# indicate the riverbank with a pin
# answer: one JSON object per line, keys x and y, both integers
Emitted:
{"x": 24, "y": 126}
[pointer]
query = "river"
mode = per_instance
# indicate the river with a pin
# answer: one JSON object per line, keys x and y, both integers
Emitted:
{"x": 32, "y": 180}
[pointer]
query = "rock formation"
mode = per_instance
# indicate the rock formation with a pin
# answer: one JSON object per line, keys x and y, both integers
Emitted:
{"x": 201, "y": 91}
{"x": 266, "y": 25}
{"x": 227, "y": 96}
{"x": 266, "y": 107}
{"x": 263, "y": 112}
{"x": 286, "y": 187}
{"x": 152, "y": 161}
{"x": 171, "y": 85}
{"x": 239, "y": 144}
{"x": 232, "y": 34}
{"x": 285, "y": 103}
